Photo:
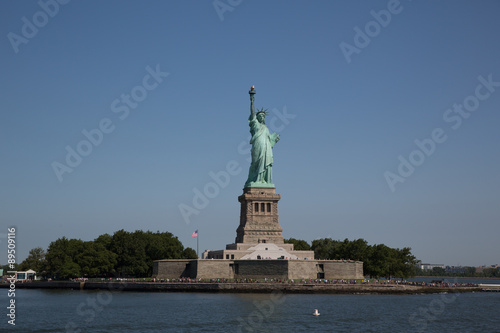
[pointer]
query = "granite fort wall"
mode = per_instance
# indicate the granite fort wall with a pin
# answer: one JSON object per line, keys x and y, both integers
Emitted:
{"x": 298, "y": 269}
{"x": 214, "y": 268}
{"x": 174, "y": 269}
{"x": 334, "y": 270}
{"x": 258, "y": 269}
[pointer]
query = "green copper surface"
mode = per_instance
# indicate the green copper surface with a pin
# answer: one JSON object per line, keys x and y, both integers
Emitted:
{"x": 260, "y": 173}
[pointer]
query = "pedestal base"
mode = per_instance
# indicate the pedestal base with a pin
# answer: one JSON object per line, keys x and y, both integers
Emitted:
{"x": 259, "y": 219}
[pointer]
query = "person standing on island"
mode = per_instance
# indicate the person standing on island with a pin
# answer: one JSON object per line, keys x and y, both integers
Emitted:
{"x": 260, "y": 173}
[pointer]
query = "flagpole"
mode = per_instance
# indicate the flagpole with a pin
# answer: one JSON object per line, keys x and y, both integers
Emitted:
{"x": 197, "y": 240}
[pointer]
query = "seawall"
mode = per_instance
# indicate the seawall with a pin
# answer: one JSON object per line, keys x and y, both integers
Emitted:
{"x": 295, "y": 288}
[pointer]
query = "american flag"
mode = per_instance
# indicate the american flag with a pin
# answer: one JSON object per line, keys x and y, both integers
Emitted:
{"x": 194, "y": 234}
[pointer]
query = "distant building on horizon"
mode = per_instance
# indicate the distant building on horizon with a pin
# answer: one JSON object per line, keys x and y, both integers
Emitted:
{"x": 455, "y": 269}
{"x": 427, "y": 267}
{"x": 480, "y": 269}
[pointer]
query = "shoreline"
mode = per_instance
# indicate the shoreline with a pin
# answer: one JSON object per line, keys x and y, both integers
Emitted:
{"x": 456, "y": 277}
{"x": 230, "y": 287}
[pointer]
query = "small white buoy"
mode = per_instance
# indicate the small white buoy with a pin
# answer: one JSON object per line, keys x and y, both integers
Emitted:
{"x": 316, "y": 313}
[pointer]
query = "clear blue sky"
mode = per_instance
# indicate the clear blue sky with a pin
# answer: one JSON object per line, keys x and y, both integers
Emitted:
{"x": 346, "y": 117}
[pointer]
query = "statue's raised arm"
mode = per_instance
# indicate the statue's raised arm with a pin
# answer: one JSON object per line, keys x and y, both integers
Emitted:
{"x": 260, "y": 173}
{"x": 252, "y": 100}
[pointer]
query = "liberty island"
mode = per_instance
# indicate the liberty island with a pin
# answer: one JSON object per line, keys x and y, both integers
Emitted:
{"x": 259, "y": 250}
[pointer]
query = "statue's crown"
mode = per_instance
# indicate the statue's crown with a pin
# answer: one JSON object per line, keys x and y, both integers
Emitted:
{"x": 263, "y": 111}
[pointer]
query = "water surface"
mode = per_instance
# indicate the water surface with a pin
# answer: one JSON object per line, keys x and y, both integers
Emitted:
{"x": 96, "y": 311}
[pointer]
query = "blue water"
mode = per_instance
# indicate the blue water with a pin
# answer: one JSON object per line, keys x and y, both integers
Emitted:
{"x": 94, "y": 311}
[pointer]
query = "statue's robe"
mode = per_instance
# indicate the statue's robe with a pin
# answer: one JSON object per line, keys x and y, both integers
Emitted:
{"x": 262, "y": 153}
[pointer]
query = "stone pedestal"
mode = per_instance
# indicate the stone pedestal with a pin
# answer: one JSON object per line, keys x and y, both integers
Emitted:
{"x": 259, "y": 222}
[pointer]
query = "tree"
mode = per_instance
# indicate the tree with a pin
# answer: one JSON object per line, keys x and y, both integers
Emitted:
{"x": 7, "y": 268}
{"x": 298, "y": 244}
{"x": 324, "y": 248}
{"x": 35, "y": 261}
{"x": 470, "y": 271}
{"x": 105, "y": 240}
{"x": 131, "y": 251}
{"x": 355, "y": 250}
{"x": 378, "y": 260}
{"x": 406, "y": 263}
{"x": 438, "y": 271}
{"x": 378, "y": 263}
{"x": 95, "y": 260}
{"x": 189, "y": 253}
{"x": 136, "y": 251}
{"x": 124, "y": 253}
{"x": 163, "y": 246}
{"x": 491, "y": 272}
{"x": 61, "y": 258}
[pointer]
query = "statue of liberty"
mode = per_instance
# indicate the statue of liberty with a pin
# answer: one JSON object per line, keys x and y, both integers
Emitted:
{"x": 260, "y": 173}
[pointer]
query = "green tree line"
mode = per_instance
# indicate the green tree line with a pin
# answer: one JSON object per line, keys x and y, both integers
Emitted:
{"x": 122, "y": 254}
{"x": 378, "y": 260}
{"x": 131, "y": 254}
{"x": 466, "y": 271}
